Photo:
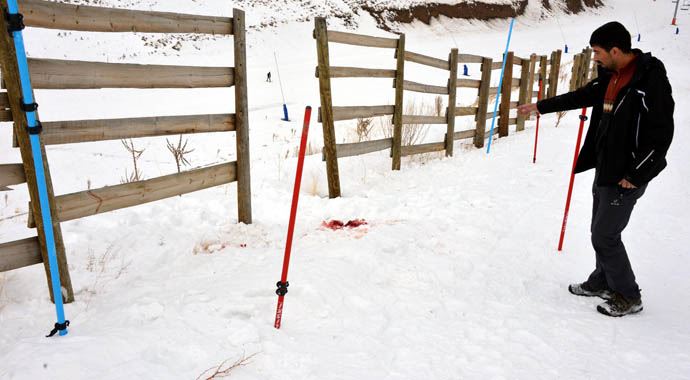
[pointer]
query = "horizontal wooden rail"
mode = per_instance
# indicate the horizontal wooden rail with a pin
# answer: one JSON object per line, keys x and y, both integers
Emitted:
{"x": 469, "y": 58}
{"x": 110, "y": 198}
{"x": 20, "y": 253}
{"x": 513, "y": 105}
{"x": 408, "y": 150}
{"x": 52, "y": 15}
{"x": 424, "y": 88}
{"x": 59, "y": 74}
{"x": 469, "y": 83}
{"x": 358, "y": 72}
{"x": 496, "y": 65}
{"x": 6, "y": 115}
{"x": 512, "y": 121}
{"x": 426, "y": 60}
{"x": 77, "y": 131}
{"x": 515, "y": 82}
{"x": 361, "y": 40}
{"x": 465, "y": 111}
{"x": 419, "y": 119}
{"x": 464, "y": 134}
{"x": 4, "y": 101}
{"x": 11, "y": 174}
{"x": 364, "y": 147}
{"x": 354, "y": 112}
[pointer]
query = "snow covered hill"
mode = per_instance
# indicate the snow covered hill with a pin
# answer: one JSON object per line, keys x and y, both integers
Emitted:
{"x": 455, "y": 276}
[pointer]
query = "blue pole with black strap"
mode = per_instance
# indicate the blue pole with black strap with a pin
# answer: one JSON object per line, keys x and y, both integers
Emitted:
{"x": 500, "y": 84}
{"x": 16, "y": 24}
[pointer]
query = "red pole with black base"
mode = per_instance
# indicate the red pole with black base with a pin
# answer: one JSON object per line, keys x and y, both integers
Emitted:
{"x": 283, "y": 283}
{"x": 583, "y": 118}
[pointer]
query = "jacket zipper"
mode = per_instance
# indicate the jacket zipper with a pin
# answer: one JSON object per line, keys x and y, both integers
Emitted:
{"x": 645, "y": 159}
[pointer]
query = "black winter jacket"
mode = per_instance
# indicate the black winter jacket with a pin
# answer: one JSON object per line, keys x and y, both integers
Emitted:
{"x": 632, "y": 141}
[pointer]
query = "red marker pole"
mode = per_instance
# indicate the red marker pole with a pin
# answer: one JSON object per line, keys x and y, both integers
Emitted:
{"x": 283, "y": 284}
{"x": 583, "y": 118}
{"x": 536, "y": 132}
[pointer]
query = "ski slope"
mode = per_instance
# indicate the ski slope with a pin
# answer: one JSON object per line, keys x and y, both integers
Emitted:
{"x": 455, "y": 276}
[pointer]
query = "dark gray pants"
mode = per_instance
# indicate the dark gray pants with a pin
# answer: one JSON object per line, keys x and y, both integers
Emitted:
{"x": 610, "y": 215}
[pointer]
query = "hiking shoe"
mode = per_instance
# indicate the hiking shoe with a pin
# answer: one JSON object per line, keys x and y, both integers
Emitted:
{"x": 619, "y": 306}
{"x": 584, "y": 289}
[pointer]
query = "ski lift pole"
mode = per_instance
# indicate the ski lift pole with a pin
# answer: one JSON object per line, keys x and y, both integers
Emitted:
{"x": 283, "y": 283}
{"x": 583, "y": 118}
{"x": 15, "y": 26}
{"x": 280, "y": 83}
{"x": 536, "y": 132}
{"x": 500, "y": 84}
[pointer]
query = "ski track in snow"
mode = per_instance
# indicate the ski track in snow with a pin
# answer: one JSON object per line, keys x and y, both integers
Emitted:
{"x": 456, "y": 275}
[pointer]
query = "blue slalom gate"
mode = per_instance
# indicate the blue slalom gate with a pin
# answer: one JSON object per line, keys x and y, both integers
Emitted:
{"x": 500, "y": 84}
{"x": 15, "y": 27}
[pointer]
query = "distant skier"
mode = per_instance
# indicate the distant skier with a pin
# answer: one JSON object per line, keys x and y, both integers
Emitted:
{"x": 268, "y": 77}
{"x": 629, "y": 133}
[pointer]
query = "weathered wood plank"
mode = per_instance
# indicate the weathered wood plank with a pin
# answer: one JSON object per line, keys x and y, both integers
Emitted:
{"x": 110, "y": 198}
{"x": 426, "y": 60}
{"x": 354, "y": 112}
{"x": 409, "y": 150}
{"x": 523, "y": 97}
{"x": 424, "y": 88}
{"x": 399, "y": 98}
{"x": 326, "y": 110}
{"x": 469, "y": 58}
{"x": 513, "y": 105}
{"x": 4, "y": 101}
{"x": 364, "y": 147}
{"x": 483, "y": 103}
{"x": 77, "y": 131}
{"x": 361, "y": 40}
{"x": 12, "y": 174}
{"x": 10, "y": 76}
{"x": 504, "y": 108}
{"x": 469, "y": 83}
{"x": 452, "y": 100}
{"x": 52, "y": 15}
{"x": 244, "y": 188}
{"x": 464, "y": 134}
{"x": 60, "y": 74}
{"x": 5, "y": 115}
{"x": 20, "y": 253}
{"x": 419, "y": 119}
{"x": 359, "y": 72}
{"x": 466, "y": 111}
{"x": 512, "y": 121}
{"x": 515, "y": 82}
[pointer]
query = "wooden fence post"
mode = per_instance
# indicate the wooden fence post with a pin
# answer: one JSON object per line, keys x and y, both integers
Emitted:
{"x": 397, "y": 115}
{"x": 452, "y": 95}
{"x": 532, "y": 76}
{"x": 506, "y": 91}
{"x": 244, "y": 192}
{"x": 575, "y": 72}
{"x": 553, "y": 73}
{"x": 10, "y": 71}
{"x": 542, "y": 75}
{"x": 483, "y": 103}
{"x": 525, "y": 92}
{"x": 329, "y": 149}
{"x": 585, "y": 66}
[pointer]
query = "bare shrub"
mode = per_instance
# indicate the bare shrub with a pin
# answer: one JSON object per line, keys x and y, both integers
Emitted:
{"x": 364, "y": 127}
{"x": 413, "y": 134}
{"x": 559, "y": 117}
{"x": 224, "y": 369}
{"x": 136, "y": 175}
{"x": 438, "y": 106}
{"x": 179, "y": 152}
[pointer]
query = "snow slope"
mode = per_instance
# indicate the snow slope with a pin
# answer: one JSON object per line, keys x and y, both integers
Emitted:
{"x": 456, "y": 276}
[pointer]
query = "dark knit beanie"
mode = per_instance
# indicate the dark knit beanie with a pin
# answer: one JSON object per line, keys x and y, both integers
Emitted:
{"x": 610, "y": 35}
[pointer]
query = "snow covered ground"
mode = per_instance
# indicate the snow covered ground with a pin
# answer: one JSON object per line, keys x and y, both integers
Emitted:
{"x": 456, "y": 276}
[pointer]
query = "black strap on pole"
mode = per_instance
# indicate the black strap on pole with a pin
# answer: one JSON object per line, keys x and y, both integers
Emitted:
{"x": 282, "y": 288}
{"x": 584, "y": 117}
{"x": 15, "y": 22}
{"x": 58, "y": 327}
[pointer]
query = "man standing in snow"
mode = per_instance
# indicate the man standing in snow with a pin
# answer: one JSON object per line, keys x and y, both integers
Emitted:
{"x": 628, "y": 136}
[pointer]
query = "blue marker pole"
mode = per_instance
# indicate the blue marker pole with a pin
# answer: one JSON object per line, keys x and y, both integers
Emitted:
{"x": 465, "y": 71}
{"x": 566, "y": 48}
{"x": 500, "y": 84}
{"x": 34, "y": 129}
{"x": 280, "y": 83}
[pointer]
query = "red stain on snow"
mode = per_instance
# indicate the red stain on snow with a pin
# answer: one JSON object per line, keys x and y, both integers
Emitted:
{"x": 335, "y": 224}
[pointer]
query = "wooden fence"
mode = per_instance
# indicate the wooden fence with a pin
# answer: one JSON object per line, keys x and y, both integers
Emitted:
{"x": 583, "y": 69}
{"x": 61, "y": 74}
{"x": 329, "y": 114}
